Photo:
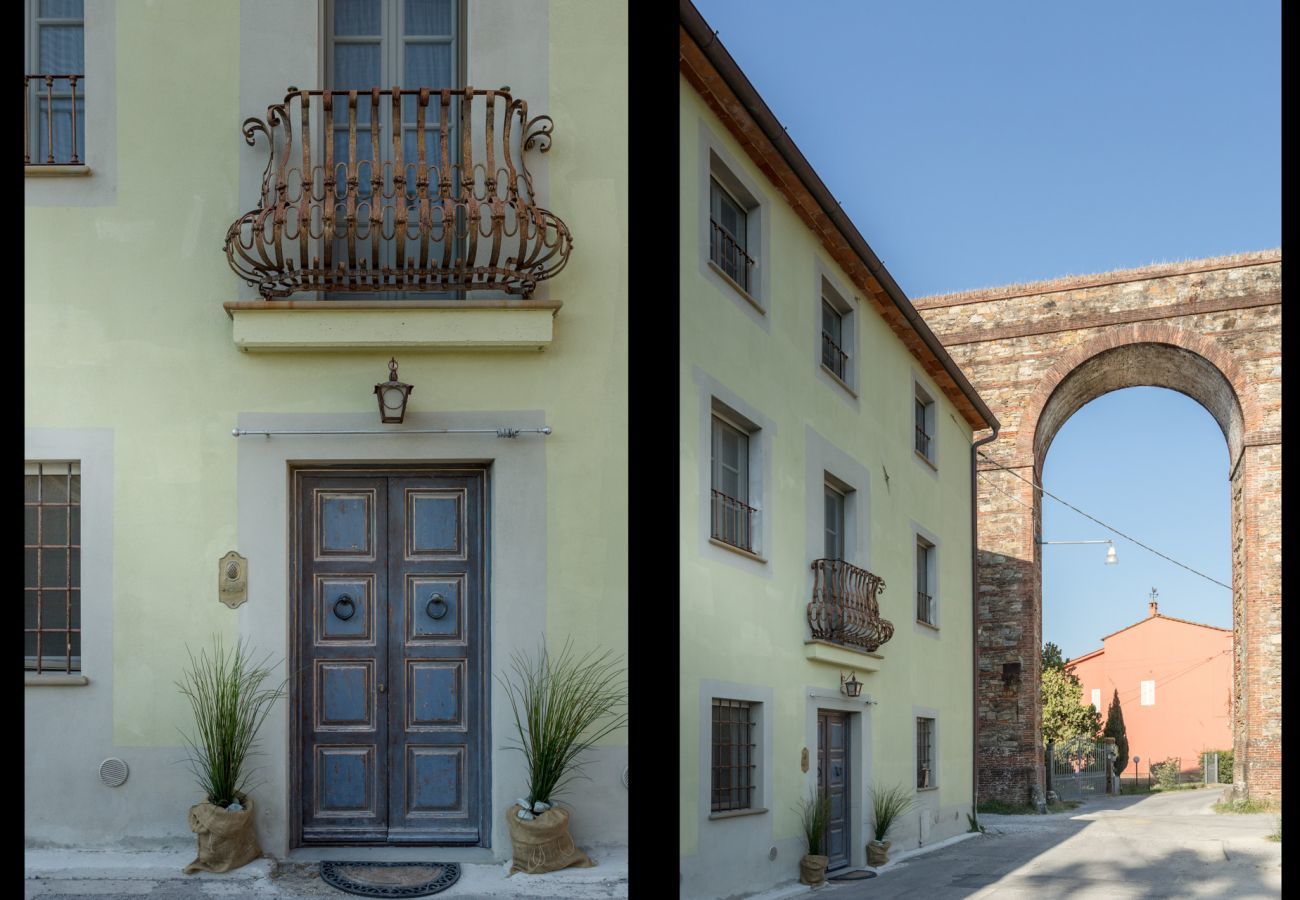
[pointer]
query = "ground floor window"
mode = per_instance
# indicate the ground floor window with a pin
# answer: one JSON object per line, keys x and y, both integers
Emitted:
{"x": 925, "y": 775}
{"x": 52, "y": 566}
{"x": 733, "y": 755}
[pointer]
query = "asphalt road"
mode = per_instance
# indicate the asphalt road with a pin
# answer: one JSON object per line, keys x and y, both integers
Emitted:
{"x": 1158, "y": 845}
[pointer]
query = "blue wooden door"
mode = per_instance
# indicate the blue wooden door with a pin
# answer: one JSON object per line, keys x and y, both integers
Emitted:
{"x": 833, "y": 779}
{"x": 391, "y": 691}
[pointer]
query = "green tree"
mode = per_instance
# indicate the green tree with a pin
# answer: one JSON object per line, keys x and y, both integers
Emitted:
{"x": 1115, "y": 729}
{"x": 1052, "y": 658}
{"x": 1065, "y": 715}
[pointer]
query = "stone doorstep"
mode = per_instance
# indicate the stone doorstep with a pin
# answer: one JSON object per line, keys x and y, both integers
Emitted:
{"x": 608, "y": 878}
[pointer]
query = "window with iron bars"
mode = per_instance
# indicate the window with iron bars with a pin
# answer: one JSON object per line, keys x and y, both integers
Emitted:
{"x": 924, "y": 588}
{"x": 924, "y": 426}
{"x": 54, "y": 83}
{"x": 52, "y": 567}
{"x": 833, "y": 355}
{"x": 733, "y": 755}
{"x": 728, "y": 235}
{"x": 925, "y": 776}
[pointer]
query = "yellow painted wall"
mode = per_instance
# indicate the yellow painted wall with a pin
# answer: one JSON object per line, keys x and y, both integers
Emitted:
{"x": 125, "y": 330}
{"x": 740, "y": 627}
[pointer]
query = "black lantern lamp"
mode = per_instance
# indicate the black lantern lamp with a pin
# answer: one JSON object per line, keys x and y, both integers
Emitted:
{"x": 392, "y": 396}
{"x": 850, "y": 686}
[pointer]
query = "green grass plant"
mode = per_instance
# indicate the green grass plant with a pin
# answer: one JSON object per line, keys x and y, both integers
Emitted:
{"x": 888, "y": 805}
{"x": 562, "y": 705}
{"x": 1246, "y": 806}
{"x": 814, "y": 813}
{"x": 230, "y": 704}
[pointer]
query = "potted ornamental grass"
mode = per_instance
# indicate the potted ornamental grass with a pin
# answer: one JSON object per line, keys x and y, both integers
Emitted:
{"x": 228, "y": 694}
{"x": 888, "y": 805}
{"x": 814, "y": 814}
{"x": 562, "y": 705}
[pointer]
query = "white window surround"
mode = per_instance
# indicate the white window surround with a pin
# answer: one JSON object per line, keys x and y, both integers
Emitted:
{"x": 93, "y": 447}
{"x": 717, "y": 162}
{"x": 761, "y": 698}
{"x": 920, "y": 533}
{"x": 714, "y": 397}
{"x": 831, "y": 289}
{"x": 1148, "y": 693}
{"x": 926, "y": 394}
{"x": 95, "y": 182}
{"x": 922, "y": 712}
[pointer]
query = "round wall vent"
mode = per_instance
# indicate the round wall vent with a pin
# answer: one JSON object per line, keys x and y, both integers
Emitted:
{"x": 113, "y": 772}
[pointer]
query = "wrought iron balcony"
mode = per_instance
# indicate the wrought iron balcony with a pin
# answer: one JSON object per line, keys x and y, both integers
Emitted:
{"x": 398, "y": 190}
{"x": 922, "y": 442}
{"x": 844, "y": 609}
{"x": 728, "y": 255}
{"x": 733, "y": 521}
{"x": 833, "y": 357}
{"x": 54, "y": 120}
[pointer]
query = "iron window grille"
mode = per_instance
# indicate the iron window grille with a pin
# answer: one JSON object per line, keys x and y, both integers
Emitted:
{"x": 728, "y": 223}
{"x": 922, "y": 431}
{"x": 924, "y": 597}
{"x": 924, "y": 753}
{"x": 833, "y": 355}
{"x": 733, "y": 755}
{"x": 52, "y": 567}
{"x": 54, "y": 105}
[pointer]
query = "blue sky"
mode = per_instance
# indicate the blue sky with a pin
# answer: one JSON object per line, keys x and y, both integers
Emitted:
{"x": 984, "y": 144}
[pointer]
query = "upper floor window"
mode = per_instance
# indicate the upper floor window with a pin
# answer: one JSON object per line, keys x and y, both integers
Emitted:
{"x": 923, "y": 424}
{"x": 54, "y": 83}
{"x": 833, "y": 355}
{"x": 52, "y": 567}
{"x": 733, "y": 516}
{"x": 1148, "y": 693}
{"x": 834, "y": 523}
{"x": 729, "y": 235}
{"x": 925, "y": 572}
{"x": 1096, "y": 699}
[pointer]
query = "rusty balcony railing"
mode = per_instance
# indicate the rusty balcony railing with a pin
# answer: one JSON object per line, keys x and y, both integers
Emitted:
{"x": 412, "y": 189}
{"x": 844, "y": 609}
{"x": 833, "y": 357}
{"x": 923, "y": 603}
{"x": 54, "y": 120}
{"x": 922, "y": 442}
{"x": 733, "y": 521}
{"x": 728, "y": 255}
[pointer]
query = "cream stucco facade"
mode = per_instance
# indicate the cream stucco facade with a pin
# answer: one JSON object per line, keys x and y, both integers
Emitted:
{"x": 134, "y": 368}
{"x": 756, "y": 357}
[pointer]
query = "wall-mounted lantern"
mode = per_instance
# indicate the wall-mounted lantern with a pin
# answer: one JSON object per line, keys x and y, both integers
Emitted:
{"x": 850, "y": 686}
{"x": 392, "y": 396}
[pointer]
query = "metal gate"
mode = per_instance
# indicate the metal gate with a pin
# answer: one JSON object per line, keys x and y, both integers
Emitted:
{"x": 1211, "y": 766}
{"x": 1076, "y": 770}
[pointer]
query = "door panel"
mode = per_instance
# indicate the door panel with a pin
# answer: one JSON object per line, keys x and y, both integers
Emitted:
{"x": 833, "y": 778}
{"x": 391, "y": 692}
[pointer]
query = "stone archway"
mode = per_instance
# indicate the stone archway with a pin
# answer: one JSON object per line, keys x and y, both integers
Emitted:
{"x": 1036, "y": 353}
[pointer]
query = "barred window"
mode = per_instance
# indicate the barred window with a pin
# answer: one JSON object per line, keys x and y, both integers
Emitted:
{"x": 731, "y": 515}
{"x": 52, "y": 566}
{"x": 54, "y": 79}
{"x": 925, "y": 776}
{"x": 733, "y": 755}
{"x": 924, "y": 589}
{"x": 729, "y": 226}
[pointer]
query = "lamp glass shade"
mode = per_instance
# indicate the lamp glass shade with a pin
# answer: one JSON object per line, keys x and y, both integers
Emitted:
{"x": 1111, "y": 559}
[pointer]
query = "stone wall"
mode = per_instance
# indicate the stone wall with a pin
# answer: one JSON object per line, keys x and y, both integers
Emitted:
{"x": 1036, "y": 353}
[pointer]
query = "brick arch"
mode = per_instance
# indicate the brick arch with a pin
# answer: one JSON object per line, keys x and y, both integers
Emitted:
{"x": 1029, "y": 440}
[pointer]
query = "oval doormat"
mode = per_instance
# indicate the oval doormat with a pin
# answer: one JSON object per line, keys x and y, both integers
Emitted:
{"x": 390, "y": 879}
{"x": 855, "y": 875}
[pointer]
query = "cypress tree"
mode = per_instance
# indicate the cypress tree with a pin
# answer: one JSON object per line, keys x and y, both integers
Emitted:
{"x": 1115, "y": 728}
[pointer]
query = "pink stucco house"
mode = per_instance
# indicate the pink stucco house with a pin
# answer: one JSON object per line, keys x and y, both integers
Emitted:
{"x": 1175, "y": 687}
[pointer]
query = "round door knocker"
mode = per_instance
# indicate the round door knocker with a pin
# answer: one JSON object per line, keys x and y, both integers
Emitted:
{"x": 437, "y": 607}
{"x": 344, "y": 608}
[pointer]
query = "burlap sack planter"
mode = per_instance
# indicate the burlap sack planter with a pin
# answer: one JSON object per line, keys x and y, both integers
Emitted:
{"x": 542, "y": 844}
{"x": 227, "y": 840}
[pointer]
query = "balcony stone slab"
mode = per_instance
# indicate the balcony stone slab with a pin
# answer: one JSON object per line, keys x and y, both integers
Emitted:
{"x": 392, "y": 325}
{"x": 842, "y": 656}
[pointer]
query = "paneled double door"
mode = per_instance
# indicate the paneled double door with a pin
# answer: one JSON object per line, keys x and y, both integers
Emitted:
{"x": 391, "y": 687}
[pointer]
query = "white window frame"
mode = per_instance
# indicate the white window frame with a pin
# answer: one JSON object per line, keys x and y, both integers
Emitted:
{"x": 717, "y": 397}
{"x": 831, "y": 292}
{"x": 1148, "y": 688}
{"x": 931, "y": 541}
{"x": 718, "y": 163}
{"x": 923, "y": 395}
{"x": 721, "y": 420}
{"x": 834, "y": 490}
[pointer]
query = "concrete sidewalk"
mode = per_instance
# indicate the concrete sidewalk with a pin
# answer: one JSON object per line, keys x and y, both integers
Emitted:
{"x": 63, "y": 874}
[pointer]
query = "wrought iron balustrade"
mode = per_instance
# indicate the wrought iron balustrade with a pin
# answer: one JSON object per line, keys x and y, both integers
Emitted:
{"x": 833, "y": 357}
{"x": 922, "y": 442}
{"x": 52, "y": 134}
{"x": 414, "y": 189}
{"x": 728, "y": 255}
{"x": 923, "y": 601}
{"x": 733, "y": 521}
{"x": 844, "y": 608}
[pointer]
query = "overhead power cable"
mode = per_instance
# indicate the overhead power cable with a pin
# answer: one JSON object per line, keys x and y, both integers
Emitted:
{"x": 1111, "y": 528}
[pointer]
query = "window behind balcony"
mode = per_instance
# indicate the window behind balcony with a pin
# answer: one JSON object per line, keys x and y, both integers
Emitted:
{"x": 924, "y": 422}
{"x": 728, "y": 241}
{"x": 378, "y": 44}
{"x": 833, "y": 355}
{"x": 54, "y": 70}
{"x": 732, "y": 518}
{"x": 834, "y": 523}
{"x": 924, "y": 588}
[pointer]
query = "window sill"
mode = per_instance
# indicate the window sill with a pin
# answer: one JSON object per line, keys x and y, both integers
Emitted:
{"x": 392, "y": 325}
{"x": 737, "y": 813}
{"x": 925, "y": 459}
{"x": 926, "y": 790}
{"x": 32, "y": 679}
{"x": 35, "y": 171}
{"x": 748, "y": 554}
{"x": 928, "y": 626}
{"x": 736, "y": 287}
{"x": 838, "y": 380}
{"x": 842, "y": 655}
